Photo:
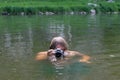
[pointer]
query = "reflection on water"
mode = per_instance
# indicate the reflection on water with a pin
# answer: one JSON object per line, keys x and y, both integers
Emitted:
{"x": 15, "y": 44}
{"x": 58, "y": 28}
{"x": 55, "y": 28}
{"x": 94, "y": 35}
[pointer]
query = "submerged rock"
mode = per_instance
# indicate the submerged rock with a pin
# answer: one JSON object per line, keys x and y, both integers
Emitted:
{"x": 112, "y": 55}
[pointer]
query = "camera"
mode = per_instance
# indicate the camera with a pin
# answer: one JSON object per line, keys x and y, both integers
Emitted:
{"x": 58, "y": 53}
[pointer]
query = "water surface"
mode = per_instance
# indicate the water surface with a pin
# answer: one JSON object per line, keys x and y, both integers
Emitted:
{"x": 21, "y": 37}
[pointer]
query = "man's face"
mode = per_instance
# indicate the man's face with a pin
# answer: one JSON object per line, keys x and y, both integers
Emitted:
{"x": 60, "y": 46}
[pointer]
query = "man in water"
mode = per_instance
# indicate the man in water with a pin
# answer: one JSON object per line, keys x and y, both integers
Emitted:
{"x": 59, "y": 51}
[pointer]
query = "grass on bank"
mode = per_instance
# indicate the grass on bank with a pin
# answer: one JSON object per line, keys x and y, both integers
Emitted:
{"x": 109, "y": 7}
{"x": 33, "y": 7}
{"x": 58, "y": 7}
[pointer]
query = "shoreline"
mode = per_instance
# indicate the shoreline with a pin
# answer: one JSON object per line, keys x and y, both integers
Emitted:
{"x": 52, "y": 8}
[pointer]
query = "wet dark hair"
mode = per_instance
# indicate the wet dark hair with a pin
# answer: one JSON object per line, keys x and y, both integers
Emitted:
{"x": 58, "y": 40}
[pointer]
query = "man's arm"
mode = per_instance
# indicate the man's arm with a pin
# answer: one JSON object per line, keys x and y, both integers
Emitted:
{"x": 84, "y": 58}
{"x": 41, "y": 55}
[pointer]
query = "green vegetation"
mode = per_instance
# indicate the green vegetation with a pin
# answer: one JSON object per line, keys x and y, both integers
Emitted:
{"x": 32, "y": 7}
{"x": 109, "y": 7}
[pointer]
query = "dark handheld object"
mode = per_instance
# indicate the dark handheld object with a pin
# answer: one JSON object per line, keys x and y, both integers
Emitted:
{"x": 59, "y": 53}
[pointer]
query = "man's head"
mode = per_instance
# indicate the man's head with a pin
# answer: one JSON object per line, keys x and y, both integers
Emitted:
{"x": 59, "y": 42}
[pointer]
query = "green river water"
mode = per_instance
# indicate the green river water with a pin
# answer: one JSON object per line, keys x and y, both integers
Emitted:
{"x": 21, "y": 37}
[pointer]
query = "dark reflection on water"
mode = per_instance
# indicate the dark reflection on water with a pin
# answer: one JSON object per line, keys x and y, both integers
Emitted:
{"x": 95, "y": 35}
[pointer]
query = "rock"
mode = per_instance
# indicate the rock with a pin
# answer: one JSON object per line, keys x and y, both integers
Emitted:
{"x": 40, "y": 13}
{"x": 112, "y": 55}
{"x": 93, "y": 11}
{"x": 49, "y": 13}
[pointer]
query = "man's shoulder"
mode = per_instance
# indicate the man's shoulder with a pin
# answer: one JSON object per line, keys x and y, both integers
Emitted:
{"x": 72, "y": 53}
{"x": 42, "y": 53}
